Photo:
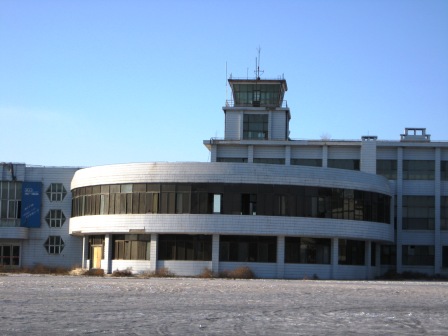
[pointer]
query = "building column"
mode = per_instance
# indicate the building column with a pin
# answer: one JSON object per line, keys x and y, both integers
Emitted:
{"x": 368, "y": 154}
{"x": 287, "y": 155}
{"x": 213, "y": 153}
{"x": 325, "y": 156}
{"x": 250, "y": 154}
{"x": 367, "y": 259}
{"x": 378, "y": 259}
{"x": 153, "y": 252}
{"x": 108, "y": 253}
{"x": 437, "y": 199}
{"x": 399, "y": 214}
{"x": 280, "y": 257}
{"x": 84, "y": 252}
{"x": 215, "y": 253}
{"x": 334, "y": 257}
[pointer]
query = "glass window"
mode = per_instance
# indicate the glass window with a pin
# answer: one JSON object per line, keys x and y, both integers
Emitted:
{"x": 307, "y": 162}
{"x": 131, "y": 247}
{"x": 444, "y": 213}
{"x": 351, "y": 252}
{"x": 307, "y": 250}
{"x": 9, "y": 255}
{"x": 418, "y": 212}
{"x": 444, "y": 170}
{"x": 248, "y": 248}
{"x": 236, "y": 160}
{"x": 388, "y": 254}
{"x": 343, "y": 164}
{"x": 255, "y": 126}
{"x": 269, "y": 160}
{"x": 418, "y": 169}
{"x": 185, "y": 247}
{"x": 56, "y": 192}
{"x": 55, "y": 218}
{"x": 54, "y": 244}
{"x": 387, "y": 168}
{"x": 217, "y": 205}
{"x": 422, "y": 255}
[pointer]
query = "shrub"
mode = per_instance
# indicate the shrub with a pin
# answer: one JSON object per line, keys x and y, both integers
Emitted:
{"x": 206, "y": 274}
{"x": 163, "y": 272}
{"x": 242, "y": 272}
{"x": 95, "y": 272}
{"x": 123, "y": 273}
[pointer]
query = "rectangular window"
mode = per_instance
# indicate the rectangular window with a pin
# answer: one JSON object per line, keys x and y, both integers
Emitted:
{"x": 351, "y": 252}
{"x": 387, "y": 168}
{"x": 421, "y": 255}
{"x": 255, "y": 126}
{"x": 217, "y": 204}
{"x": 248, "y": 249}
{"x": 444, "y": 170}
{"x": 418, "y": 169}
{"x": 249, "y": 204}
{"x": 235, "y": 160}
{"x": 9, "y": 255}
{"x": 418, "y": 212}
{"x": 343, "y": 164}
{"x": 444, "y": 213}
{"x": 445, "y": 256}
{"x": 388, "y": 254}
{"x": 307, "y": 250}
{"x": 131, "y": 247}
{"x": 185, "y": 247}
{"x": 269, "y": 161}
{"x": 307, "y": 162}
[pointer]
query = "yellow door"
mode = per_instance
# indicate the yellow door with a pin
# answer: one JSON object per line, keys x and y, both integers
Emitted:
{"x": 97, "y": 256}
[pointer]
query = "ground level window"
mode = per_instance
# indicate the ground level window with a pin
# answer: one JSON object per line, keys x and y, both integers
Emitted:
{"x": 9, "y": 255}
{"x": 307, "y": 250}
{"x": 388, "y": 254}
{"x": 248, "y": 248}
{"x": 131, "y": 247}
{"x": 54, "y": 244}
{"x": 185, "y": 247}
{"x": 445, "y": 256}
{"x": 421, "y": 255}
{"x": 351, "y": 252}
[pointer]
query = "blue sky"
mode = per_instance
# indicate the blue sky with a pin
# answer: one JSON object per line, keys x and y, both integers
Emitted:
{"x": 98, "y": 82}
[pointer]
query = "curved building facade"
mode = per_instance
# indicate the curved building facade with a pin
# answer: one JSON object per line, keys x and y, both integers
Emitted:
{"x": 285, "y": 222}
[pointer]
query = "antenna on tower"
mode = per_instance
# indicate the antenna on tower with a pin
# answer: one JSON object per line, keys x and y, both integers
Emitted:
{"x": 257, "y": 65}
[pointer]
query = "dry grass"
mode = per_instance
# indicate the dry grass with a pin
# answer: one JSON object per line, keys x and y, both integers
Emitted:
{"x": 163, "y": 272}
{"x": 206, "y": 274}
{"x": 123, "y": 273}
{"x": 37, "y": 269}
{"x": 242, "y": 272}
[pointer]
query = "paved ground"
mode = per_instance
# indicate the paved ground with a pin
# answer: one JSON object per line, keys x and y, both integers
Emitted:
{"x": 68, "y": 305}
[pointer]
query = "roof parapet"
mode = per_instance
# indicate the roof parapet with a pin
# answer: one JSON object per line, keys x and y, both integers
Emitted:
{"x": 415, "y": 134}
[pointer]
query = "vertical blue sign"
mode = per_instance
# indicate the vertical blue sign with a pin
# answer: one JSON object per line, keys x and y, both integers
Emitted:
{"x": 31, "y": 204}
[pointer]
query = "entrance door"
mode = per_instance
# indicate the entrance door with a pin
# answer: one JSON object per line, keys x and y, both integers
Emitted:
{"x": 97, "y": 256}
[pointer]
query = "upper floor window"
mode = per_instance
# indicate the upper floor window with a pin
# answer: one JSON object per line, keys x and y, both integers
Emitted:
{"x": 307, "y": 162}
{"x": 418, "y": 212}
{"x": 387, "y": 168}
{"x": 56, "y": 192}
{"x": 55, "y": 218}
{"x": 269, "y": 160}
{"x": 444, "y": 213}
{"x": 54, "y": 244}
{"x": 255, "y": 126}
{"x": 343, "y": 164}
{"x": 444, "y": 170}
{"x": 418, "y": 169}
{"x": 10, "y": 199}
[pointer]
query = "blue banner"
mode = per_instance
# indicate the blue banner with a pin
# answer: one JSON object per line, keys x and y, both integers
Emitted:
{"x": 31, "y": 204}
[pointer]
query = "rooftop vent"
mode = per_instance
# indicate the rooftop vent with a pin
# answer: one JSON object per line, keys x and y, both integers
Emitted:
{"x": 412, "y": 134}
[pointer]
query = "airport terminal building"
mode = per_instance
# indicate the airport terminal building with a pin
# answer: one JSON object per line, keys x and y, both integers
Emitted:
{"x": 335, "y": 209}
